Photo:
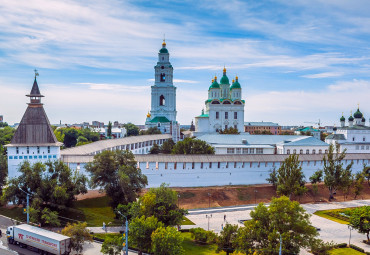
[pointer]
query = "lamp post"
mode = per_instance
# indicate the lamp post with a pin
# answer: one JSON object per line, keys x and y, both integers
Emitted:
{"x": 126, "y": 232}
{"x": 28, "y": 205}
{"x": 208, "y": 217}
{"x": 255, "y": 196}
{"x": 209, "y": 200}
{"x": 350, "y": 231}
{"x": 178, "y": 200}
{"x": 281, "y": 243}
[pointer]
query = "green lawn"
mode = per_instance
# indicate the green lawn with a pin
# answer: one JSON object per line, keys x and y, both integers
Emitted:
{"x": 186, "y": 221}
{"x": 332, "y": 216}
{"x": 14, "y": 213}
{"x": 345, "y": 251}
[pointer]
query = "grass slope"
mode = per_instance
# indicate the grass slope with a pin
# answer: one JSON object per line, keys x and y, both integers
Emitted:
{"x": 345, "y": 251}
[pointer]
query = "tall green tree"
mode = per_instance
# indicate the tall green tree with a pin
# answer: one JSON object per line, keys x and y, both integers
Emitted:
{"x": 117, "y": 174}
{"x": 141, "y": 230}
{"x": 112, "y": 245}
{"x": 192, "y": 146}
{"x": 360, "y": 220}
{"x": 6, "y": 135}
{"x": 161, "y": 203}
{"x": 167, "y": 146}
{"x": 273, "y": 177}
{"x": 334, "y": 172}
{"x": 226, "y": 239}
{"x": 131, "y": 129}
{"x": 109, "y": 131}
{"x": 316, "y": 177}
{"x": 358, "y": 184}
{"x": 79, "y": 235}
{"x": 167, "y": 241}
{"x": 290, "y": 177}
{"x": 155, "y": 149}
{"x": 261, "y": 234}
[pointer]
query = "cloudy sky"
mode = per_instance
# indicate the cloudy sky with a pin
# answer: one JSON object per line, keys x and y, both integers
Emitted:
{"x": 297, "y": 61}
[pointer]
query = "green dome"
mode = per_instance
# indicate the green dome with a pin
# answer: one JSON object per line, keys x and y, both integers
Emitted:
{"x": 214, "y": 85}
{"x": 363, "y": 119}
{"x": 163, "y": 50}
{"x": 342, "y": 118}
{"x": 235, "y": 85}
{"x": 350, "y": 118}
{"x": 224, "y": 80}
{"x": 357, "y": 114}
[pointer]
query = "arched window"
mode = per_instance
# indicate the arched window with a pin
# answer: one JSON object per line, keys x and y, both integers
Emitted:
{"x": 326, "y": 151}
{"x": 313, "y": 151}
{"x": 301, "y": 151}
{"x": 294, "y": 151}
{"x": 288, "y": 151}
{"x": 320, "y": 151}
{"x": 163, "y": 77}
{"x": 307, "y": 151}
{"x": 162, "y": 101}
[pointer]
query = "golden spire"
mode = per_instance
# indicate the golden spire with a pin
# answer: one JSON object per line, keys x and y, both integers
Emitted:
{"x": 236, "y": 78}
{"x": 224, "y": 69}
{"x": 148, "y": 115}
{"x": 215, "y": 78}
{"x": 233, "y": 81}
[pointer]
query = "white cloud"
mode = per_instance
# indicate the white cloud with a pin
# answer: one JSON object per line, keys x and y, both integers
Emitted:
{"x": 322, "y": 75}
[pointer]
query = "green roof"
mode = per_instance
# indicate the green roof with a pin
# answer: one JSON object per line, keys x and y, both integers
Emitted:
{"x": 342, "y": 118}
{"x": 350, "y": 118}
{"x": 236, "y": 85}
{"x": 223, "y": 99}
{"x": 205, "y": 115}
{"x": 214, "y": 85}
{"x": 159, "y": 119}
{"x": 224, "y": 79}
{"x": 163, "y": 50}
{"x": 357, "y": 114}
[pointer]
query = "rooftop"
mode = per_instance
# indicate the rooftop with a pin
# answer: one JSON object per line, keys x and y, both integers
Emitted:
{"x": 261, "y": 124}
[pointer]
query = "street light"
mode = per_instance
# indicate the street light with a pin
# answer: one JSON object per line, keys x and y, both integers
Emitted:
{"x": 28, "y": 205}
{"x": 208, "y": 217}
{"x": 126, "y": 232}
{"x": 350, "y": 230}
{"x": 209, "y": 200}
{"x": 255, "y": 196}
{"x": 281, "y": 243}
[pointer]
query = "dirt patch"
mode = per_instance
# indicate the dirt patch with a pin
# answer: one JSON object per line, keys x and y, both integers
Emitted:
{"x": 90, "y": 194}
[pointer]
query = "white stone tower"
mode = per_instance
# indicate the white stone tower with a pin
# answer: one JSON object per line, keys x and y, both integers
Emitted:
{"x": 163, "y": 106}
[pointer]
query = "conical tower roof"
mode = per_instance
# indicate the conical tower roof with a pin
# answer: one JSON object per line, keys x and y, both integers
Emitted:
{"x": 35, "y": 91}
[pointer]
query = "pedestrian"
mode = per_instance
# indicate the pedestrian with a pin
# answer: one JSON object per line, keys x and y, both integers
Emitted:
{"x": 222, "y": 226}
{"x": 224, "y": 217}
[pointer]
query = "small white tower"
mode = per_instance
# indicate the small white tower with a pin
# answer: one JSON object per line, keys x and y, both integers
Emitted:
{"x": 342, "y": 121}
{"x": 350, "y": 120}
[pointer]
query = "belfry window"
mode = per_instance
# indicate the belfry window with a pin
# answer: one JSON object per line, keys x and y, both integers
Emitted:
{"x": 163, "y": 77}
{"x": 162, "y": 101}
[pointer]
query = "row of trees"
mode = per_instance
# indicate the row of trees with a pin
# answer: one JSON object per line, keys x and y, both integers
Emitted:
{"x": 186, "y": 146}
{"x": 289, "y": 178}
{"x": 72, "y": 137}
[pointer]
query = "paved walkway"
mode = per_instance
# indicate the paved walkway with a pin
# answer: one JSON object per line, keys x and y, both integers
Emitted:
{"x": 330, "y": 230}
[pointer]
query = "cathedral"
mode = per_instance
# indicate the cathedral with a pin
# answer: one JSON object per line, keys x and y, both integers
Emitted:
{"x": 224, "y": 107}
{"x": 163, "y": 97}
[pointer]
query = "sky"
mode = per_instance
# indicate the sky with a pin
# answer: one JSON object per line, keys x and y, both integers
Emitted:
{"x": 298, "y": 62}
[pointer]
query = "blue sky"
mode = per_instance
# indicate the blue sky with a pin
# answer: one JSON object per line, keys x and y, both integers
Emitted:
{"x": 297, "y": 61}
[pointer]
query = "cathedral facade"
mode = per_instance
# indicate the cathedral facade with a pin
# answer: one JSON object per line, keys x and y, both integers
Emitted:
{"x": 224, "y": 107}
{"x": 163, "y": 97}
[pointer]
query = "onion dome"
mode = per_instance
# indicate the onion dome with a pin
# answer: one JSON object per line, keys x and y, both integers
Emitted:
{"x": 358, "y": 114}
{"x": 342, "y": 118}
{"x": 224, "y": 79}
{"x": 236, "y": 84}
{"x": 148, "y": 115}
{"x": 163, "y": 50}
{"x": 350, "y": 118}
{"x": 363, "y": 119}
{"x": 214, "y": 84}
{"x": 334, "y": 128}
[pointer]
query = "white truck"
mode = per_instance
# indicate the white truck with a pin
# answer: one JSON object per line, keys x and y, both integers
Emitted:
{"x": 45, "y": 242}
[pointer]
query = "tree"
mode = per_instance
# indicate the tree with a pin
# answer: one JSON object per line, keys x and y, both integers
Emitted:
{"x": 81, "y": 140}
{"x": 290, "y": 177}
{"x": 51, "y": 185}
{"x": 316, "y": 177}
{"x": 141, "y": 230}
{"x": 192, "y": 146}
{"x": 167, "y": 241}
{"x": 155, "y": 149}
{"x": 230, "y": 130}
{"x": 360, "y": 220}
{"x": 366, "y": 173}
{"x": 3, "y": 169}
{"x": 131, "y": 129}
{"x": 70, "y": 137}
{"x": 346, "y": 182}
{"x": 161, "y": 203}
{"x": 273, "y": 177}
{"x": 262, "y": 232}
{"x": 79, "y": 234}
{"x": 358, "y": 184}
{"x": 150, "y": 131}
{"x": 333, "y": 169}
{"x": 112, "y": 245}
{"x": 6, "y": 135}
{"x": 109, "y": 131}
{"x": 167, "y": 146}
{"x": 117, "y": 174}
{"x": 226, "y": 239}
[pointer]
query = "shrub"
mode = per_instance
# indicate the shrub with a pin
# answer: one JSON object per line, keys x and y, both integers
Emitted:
{"x": 356, "y": 248}
{"x": 202, "y": 236}
{"x": 318, "y": 247}
{"x": 341, "y": 245}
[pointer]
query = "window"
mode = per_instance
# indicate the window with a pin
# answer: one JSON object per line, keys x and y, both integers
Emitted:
{"x": 235, "y": 126}
{"x": 162, "y": 101}
{"x": 226, "y": 115}
{"x": 288, "y": 151}
{"x": 217, "y": 115}
{"x": 44, "y": 156}
{"x": 362, "y": 147}
{"x": 20, "y": 157}
{"x": 15, "y": 157}
{"x": 210, "y": 164}
{"x": 25, "y": 157}
{"x": 17, "y": 150}
{"x": 301, "y": 151}
{"x": 163, "y": 77}
{"x": 230, "y": 150}
{"x": 353, "y": 138}
{"x": 259, "y": 151}
{"x": 245, "y": 150}
{"x": 313, "y": 151}
{"x": 28, "y": 150}
{"x": 251, "y": 151}
{"x": 294, "y": 151}
{"x": 40, "y": 156}
{"x": 235, "y": 115}
{"x": 48, "y": 149}
{"x": 238, "y": 150}
{"x": 218, "y": 164}
{"x": 367, "y": 147}
{"x": 320, "y": 151}
{"x": 234, "y": 164}
{"x": 49, "y": 156}
{"x": 183, "y": 165}
{"x": 307, "y": 151}
{"x": 192, "y": 165}
{"x": 35, "y": 157}
{"x": 10, "y": 157}
{"x": 201, "y": 165}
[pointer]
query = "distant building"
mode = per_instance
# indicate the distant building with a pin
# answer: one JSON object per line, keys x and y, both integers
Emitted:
{"x": 224, "y": 107}
{"x": 354, "y": 138}
{"x": 34, "y": 139}
{"x": 314, "y": 132}
{"x": 1, "y": 119}
{"x": 262, "y": 127}
{"x": 97, "y": 124}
